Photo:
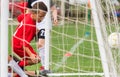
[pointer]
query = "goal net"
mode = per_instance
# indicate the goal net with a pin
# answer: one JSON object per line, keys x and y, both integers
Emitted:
{"x": 79, "y": 47}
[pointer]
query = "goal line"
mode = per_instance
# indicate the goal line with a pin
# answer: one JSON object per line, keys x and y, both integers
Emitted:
{"x": 76, "y": 74}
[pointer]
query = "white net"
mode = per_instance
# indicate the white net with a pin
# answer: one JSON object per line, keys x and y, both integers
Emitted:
{"x": 74, "y": 46}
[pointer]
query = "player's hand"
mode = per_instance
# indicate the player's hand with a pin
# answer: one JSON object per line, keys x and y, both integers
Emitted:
{"x": 34, "y": 58}
{"x": 55, "y": 22}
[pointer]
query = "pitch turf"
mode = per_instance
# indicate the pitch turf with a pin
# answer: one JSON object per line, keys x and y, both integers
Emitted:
{"x": 84, "y": 55}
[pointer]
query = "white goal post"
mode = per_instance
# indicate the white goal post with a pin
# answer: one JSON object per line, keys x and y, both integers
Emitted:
{"x": 48, "y": 25}
{"x": 103, "y": 54}
{"x": 3, "y": 38}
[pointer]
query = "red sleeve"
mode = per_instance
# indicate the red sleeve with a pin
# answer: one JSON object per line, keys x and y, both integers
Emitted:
{"x": 20, "y": 17}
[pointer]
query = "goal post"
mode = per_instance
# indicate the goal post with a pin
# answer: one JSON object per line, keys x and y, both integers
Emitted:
{"x": 97, "y": 24}
{"x": 48, "y": 25}
{"x": 3, "y": 38}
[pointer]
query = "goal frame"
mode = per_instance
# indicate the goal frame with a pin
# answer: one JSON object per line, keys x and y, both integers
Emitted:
{"x": 102, "y": 50}
{"x": 4, "y": 38}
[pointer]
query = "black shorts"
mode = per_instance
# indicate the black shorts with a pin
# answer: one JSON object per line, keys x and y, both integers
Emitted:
{"x": 41, "y": 34}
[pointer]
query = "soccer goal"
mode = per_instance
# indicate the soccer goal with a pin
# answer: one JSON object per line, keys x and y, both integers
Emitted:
{"x": 79, "y": 44}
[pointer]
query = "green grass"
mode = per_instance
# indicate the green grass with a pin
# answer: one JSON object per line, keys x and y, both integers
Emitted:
{"x": 65, "y": 43}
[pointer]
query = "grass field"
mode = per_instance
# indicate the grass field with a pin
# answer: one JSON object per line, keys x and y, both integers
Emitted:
{"x": 82, "y": 53}
{"x": 70, "y": 38}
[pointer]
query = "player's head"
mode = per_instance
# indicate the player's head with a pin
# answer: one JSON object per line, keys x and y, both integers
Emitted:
{"x": 39, "y": 11}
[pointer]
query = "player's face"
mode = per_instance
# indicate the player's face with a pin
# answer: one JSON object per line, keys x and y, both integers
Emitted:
{"x": 40, "y": 16}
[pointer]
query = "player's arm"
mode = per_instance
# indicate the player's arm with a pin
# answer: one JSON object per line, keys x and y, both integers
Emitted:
{"x": 20, "y": 18}
{"x": 32, "y": 56}
{"x": 54, "y": 13}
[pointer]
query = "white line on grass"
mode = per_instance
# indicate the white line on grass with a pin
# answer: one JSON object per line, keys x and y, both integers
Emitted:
{"x": 72, "y": 50}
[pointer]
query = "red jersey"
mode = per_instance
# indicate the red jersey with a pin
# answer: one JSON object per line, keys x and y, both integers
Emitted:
{"x": 20, "y": 17}
{"x": 23, "y": 35}
{"x": 26, "y": 30}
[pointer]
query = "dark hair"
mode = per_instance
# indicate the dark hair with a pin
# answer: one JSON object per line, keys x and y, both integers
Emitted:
{"x": 40, "y": 6}
{"x": 29, "y": 3}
